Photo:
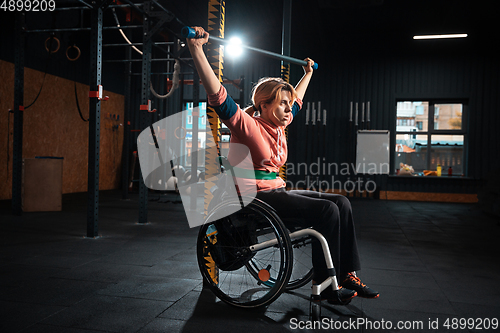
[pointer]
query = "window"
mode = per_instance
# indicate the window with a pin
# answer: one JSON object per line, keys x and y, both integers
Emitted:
{"x": 429, "y": 133}
{"x": 419, "y": 109}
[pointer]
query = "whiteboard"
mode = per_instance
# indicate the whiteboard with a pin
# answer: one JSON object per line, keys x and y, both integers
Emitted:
{"x": 372, "y": 152}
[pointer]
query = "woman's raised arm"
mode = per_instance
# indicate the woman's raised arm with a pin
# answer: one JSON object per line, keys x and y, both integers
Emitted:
{"x": 301, "y": 87}
{"x": 207, "y": 76}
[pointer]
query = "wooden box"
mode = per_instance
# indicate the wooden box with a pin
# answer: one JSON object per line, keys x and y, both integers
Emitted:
{"x": 42, "y": 184}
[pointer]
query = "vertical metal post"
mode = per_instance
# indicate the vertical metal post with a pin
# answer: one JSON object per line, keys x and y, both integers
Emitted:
{"x": 94, "y": 121}
{"x": 286, "y": 37}
{"x": 126, "y": 127}
{"x": 17, "y": 162}
{"x": 144, "y": 115}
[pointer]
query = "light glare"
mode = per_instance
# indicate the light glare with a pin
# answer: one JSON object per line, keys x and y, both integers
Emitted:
{"x": 233, "y": 48}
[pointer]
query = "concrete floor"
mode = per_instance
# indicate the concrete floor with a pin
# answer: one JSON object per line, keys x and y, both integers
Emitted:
{"x": 430, "y": 261}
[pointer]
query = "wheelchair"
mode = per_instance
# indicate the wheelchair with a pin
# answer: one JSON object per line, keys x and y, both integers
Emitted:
{"x": 249, "y": 258}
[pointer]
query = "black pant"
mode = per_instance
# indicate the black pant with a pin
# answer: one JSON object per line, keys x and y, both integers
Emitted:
{"x": 329, "y": 214}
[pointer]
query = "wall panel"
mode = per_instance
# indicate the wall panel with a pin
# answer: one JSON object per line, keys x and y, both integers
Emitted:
{"x": 53, "y": 127}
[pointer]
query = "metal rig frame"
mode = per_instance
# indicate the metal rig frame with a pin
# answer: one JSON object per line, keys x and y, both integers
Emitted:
{"x": 155, "y": 17}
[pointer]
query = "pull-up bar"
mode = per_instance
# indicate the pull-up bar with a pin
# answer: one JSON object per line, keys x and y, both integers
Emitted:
{"x": 188, "y": 32}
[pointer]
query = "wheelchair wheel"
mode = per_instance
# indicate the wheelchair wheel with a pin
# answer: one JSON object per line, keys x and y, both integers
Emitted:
{"x": 237, "y": 273}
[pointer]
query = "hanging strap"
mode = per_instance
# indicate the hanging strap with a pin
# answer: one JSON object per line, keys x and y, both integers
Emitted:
{"x": 78, "y": 105}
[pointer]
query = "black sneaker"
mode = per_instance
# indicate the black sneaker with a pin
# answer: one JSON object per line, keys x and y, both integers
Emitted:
{"x": 353, "y": 282}
{"x": 342, "y": 296}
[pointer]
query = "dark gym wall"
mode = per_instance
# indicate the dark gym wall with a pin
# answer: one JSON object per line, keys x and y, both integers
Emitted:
{"x": 368, "y": 54}
{"x": 384, "y": 80}
{"x": 461, "y": 70}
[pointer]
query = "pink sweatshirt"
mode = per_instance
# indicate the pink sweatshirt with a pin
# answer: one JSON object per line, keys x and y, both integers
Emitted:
{"x": 267, "y": 143}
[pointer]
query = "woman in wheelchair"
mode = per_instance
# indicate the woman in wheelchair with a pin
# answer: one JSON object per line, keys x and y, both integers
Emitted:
{"x": 277, "y": 103}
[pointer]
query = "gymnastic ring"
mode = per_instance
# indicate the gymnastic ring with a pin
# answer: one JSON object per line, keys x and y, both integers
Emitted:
{"x": 78, "y": 55}
{"x": 58, "y": 44}
{"x": 178, "y": 137}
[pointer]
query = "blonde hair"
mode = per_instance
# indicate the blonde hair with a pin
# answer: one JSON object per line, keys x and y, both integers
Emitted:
{"x": 268, "y": 91}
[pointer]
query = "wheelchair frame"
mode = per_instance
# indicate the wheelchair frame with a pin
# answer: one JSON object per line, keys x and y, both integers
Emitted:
{"x": 317, "y": 288}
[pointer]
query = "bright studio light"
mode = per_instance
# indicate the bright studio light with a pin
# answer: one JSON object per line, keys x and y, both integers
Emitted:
{"x": 234, "y": 49}
{"x": 440, "y": 36}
